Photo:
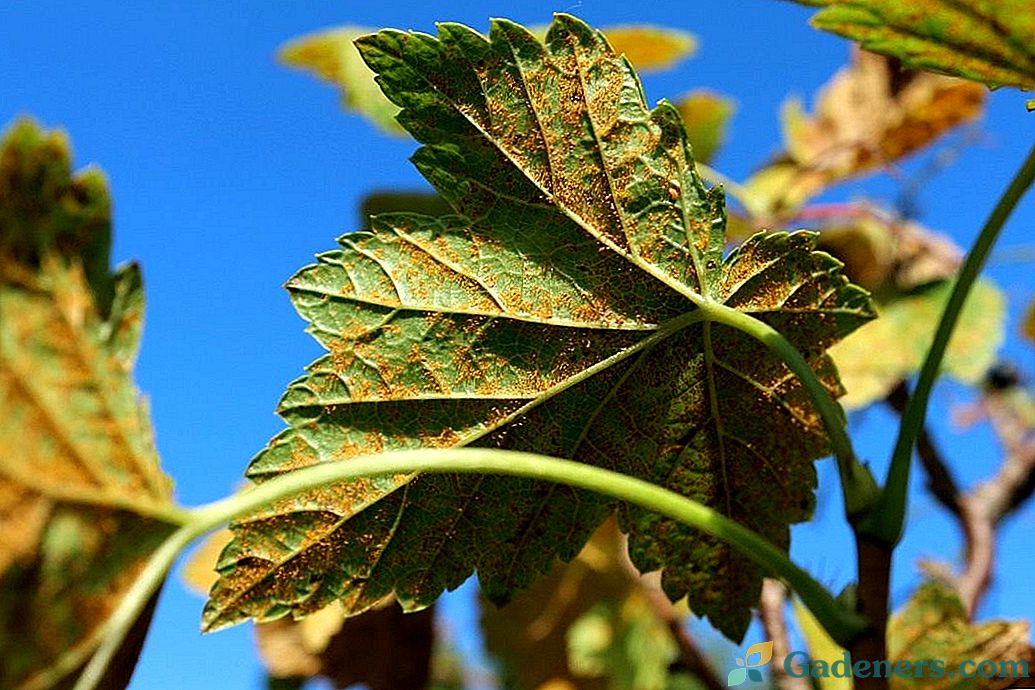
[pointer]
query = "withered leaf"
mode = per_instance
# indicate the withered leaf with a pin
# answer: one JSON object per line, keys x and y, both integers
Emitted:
{"x": 559, "y": 313}
{"x": 78, "y": 468}
{"x": 870, "y": 115}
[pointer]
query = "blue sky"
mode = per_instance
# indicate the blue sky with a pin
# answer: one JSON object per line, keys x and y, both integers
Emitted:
{"x": 229, "y": 172}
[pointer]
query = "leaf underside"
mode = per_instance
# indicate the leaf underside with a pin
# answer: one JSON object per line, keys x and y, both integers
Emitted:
{"x": 556, "y": 312}
{"x": 988, "y": 42}
{"x": 76, "y": 453}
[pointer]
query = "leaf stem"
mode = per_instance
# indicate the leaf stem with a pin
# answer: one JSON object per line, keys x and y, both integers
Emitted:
{"x": 886, "y": 520}
{"x": 843, "y": 625}
{"x": 857, "y": 484}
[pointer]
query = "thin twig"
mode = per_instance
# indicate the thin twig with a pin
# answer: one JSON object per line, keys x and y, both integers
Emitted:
{"x": 980, "y": 510}
{"x": 770, "y": 608}
{"x": 990, "y": 502}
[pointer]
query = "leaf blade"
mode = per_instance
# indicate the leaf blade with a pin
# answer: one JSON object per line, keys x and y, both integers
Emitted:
{"x": 556, "y": 313}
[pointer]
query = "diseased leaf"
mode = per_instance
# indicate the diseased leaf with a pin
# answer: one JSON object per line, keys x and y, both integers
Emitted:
{"x": 705, "y": 115}
{"x": 77, "y": 462}
{"x": 382, "y": 649}
{"x": 992, "y": 42}
{"x": 934, "y": 625}
{"x": 425, "y": 203}
{"x": 558, "y": 314}
{"x": 44, "y": 208}
{"x": 870, "y": 115}
{"x": 903, "y": 333}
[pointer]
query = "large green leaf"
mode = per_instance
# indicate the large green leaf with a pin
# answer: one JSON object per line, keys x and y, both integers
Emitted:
{"x": 558, "y": 314}
{"x": 77, "y": 462}
{"x": 990, "y": 41}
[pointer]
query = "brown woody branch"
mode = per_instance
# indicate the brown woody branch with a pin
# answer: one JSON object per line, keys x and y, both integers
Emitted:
{"x": 980, "y": 510}
{"x": 770, "y": 608}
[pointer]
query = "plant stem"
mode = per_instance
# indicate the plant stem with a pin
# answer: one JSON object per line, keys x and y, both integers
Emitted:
{"x": 844, "y": 626}
{"x": 857, "y": 484}
{"x": 886, "y": 521}
{"x": 874, "y": 573}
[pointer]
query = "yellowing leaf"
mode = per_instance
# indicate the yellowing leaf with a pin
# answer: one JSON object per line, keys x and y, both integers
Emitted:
{"x": 705, "y": 115}
{"x": 332, "y": 56}
{"x": 651, "y": 47}
{"x": 870, "y": 115}
{"x": 992, "y": 42}
{"x": 562, "y": 311}
{"x": 78, "y": 469}
{"x": 820, "y": 648}
{"x": 903, "y": 333}
{"x": 934, "y": 626}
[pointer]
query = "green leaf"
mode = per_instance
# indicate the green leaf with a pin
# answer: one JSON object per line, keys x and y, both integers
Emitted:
{"x": 565, "y": 312}
{"x": 934, "y": 625}
{"x": 78, "y": 469}
{"x": 989, "y": 42}
{"x": 622, "y": 643}
{"x": 903, "y": 333}
{"x": 705, "y": 115}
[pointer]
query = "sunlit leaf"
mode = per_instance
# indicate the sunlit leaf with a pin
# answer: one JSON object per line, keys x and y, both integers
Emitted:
{"x": 77, "y": 462}
{"x": 992, "y": 42}
{"x": 332, "y": 56}
{"x": 558, "y": 314}
{"x": 705, "y": 115}
{"x": 870, "y": 115}
{"x": 651, "y": 48}
{"x": 934, "y": 625}
{"x": 903, "y": 334}
{"x": 820, "y": 648}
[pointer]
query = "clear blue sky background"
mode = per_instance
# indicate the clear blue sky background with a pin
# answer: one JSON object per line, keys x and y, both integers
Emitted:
{"x": 229, "y": 172}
